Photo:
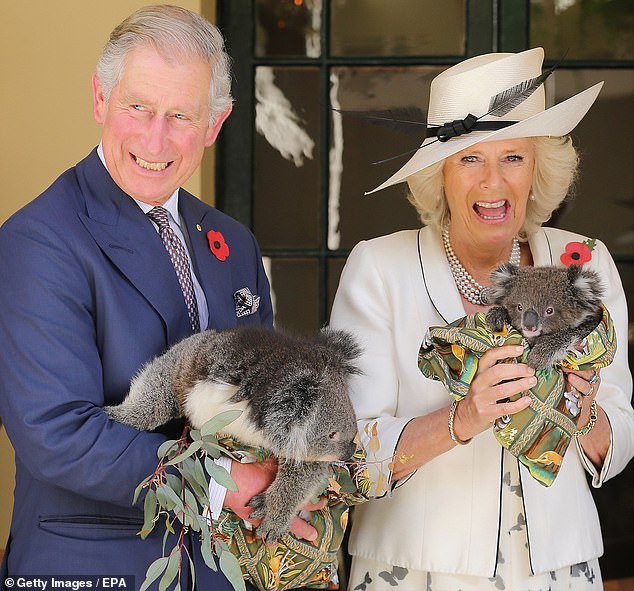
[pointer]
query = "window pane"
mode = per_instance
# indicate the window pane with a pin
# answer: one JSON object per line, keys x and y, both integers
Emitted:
{"x": 406, "y": 27}
{"x": 286, "y": 181}
{"x": 287, "y": 27}
{"x": 580, "y": 29}
{"x": 357, "y": 143}
{"x": 335, "y": 267}
{"x": 295, "y": 293}
{"x": 603, "y": 206}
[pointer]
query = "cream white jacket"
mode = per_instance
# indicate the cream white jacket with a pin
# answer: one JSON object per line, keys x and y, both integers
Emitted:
{"x": 446, "y": 516}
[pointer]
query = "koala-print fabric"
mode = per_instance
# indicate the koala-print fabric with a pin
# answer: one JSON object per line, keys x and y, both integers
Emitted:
{"x": 513, "y": 569}
{"x": 293, "y": 562}
{"x": 540, "y": 434}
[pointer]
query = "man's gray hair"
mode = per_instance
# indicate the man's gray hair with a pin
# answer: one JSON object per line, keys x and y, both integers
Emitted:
{"x": 174, "y": 32}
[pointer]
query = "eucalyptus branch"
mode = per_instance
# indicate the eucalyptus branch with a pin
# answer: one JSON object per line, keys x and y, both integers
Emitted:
{"x": 178, "y": 490}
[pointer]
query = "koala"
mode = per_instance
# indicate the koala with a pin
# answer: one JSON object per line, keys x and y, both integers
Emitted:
{"x": 553, "y": 307}
{"x": 292, "y": 392}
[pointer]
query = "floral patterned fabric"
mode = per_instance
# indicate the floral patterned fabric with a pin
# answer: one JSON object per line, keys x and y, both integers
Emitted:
{"x": 294, "y": 562}
{"x": 540, "y": 434}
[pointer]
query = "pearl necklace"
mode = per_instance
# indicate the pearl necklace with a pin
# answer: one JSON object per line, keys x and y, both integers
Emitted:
{"x": 465, "y": 283}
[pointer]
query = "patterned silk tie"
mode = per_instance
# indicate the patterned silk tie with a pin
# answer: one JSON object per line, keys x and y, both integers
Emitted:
{"x": 176, "y": 250}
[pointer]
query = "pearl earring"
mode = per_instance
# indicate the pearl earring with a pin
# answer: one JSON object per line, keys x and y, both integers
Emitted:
{"x": 531, "y": 197}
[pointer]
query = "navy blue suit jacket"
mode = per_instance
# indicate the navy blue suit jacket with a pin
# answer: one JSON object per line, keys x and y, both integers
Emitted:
{"x": 88, "y": 296}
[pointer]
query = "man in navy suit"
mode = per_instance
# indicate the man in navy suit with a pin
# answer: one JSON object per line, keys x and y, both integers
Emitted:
{"x": 90, "y": 294}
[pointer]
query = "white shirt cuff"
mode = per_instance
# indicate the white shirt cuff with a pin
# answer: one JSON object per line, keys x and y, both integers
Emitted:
{"x": 217, "y": 492}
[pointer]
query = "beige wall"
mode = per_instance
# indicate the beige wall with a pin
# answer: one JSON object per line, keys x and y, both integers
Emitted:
{"x": 47, "y": 54}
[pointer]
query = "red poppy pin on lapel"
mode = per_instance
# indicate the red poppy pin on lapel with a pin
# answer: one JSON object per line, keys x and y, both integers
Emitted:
{"x": 218, "y": 245}
{"x": 578, "y": 253}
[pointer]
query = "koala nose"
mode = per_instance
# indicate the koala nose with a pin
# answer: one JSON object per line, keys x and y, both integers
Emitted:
{"x": 530, "y": 320}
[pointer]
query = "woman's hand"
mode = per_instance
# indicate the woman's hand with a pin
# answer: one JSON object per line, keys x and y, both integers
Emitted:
{"x": 586, "y": 385}
{"x": 254, "y": 478}
{"x": 490, "y": 389}
{"x": 426, "y": 437}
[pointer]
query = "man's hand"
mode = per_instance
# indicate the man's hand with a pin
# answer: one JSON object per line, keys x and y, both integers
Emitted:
{"x": 252, "y": 479}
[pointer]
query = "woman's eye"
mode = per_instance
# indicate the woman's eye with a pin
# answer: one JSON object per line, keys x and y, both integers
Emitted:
{"x": 515, "y": 158}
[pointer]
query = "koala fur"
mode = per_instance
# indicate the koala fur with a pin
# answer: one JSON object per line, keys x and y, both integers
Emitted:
{"x": 553, "y": 307}
{"x": 293, "y": 394}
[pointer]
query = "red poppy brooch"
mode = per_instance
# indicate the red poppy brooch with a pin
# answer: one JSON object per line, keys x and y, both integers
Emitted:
{"x": 578, "y": 253}
{"x": 218, "y": 245}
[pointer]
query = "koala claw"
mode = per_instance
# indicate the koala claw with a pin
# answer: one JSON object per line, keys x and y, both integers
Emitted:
{"x": 541, "y": 358}
{"x": 258, "y": 502}
{"x": 269, "y": 532}
{"x": 496, "y": 318}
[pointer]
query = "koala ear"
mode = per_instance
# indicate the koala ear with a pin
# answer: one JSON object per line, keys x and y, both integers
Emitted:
{"x": 343, "y": 346}
{"x": 585, "y": 284}
{"x": 502, "y": 279}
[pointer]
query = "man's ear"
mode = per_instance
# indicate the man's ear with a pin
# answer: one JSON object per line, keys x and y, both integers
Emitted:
{"x": 212, "y": 132}
{"x": 99, "y": 103}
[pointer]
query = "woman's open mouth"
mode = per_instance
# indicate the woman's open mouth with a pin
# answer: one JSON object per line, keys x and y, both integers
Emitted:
{"x": 491, "y": 210}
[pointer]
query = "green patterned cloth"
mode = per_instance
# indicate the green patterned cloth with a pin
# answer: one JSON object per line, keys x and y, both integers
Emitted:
{"x": 295, "y": 562}
{"x": 540, "y": 434}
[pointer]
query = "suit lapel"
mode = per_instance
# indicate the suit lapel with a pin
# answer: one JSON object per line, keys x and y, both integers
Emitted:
{"x": 214, "y": 275}
{"x": 541, "y": 249}
{"x": 129, "y": 240}
{"x": 437, "y": 277}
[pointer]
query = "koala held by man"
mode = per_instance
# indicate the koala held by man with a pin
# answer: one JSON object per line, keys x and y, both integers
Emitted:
{"x": 293, "y": 394}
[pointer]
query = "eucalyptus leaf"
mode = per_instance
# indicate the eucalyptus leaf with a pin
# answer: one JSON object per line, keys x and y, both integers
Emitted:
{"x": 175, "y": 483}
{"x": 219, "y": 422}
{"x": 168, "y": 526}
{"x": 213, "y": 449}
{"x": 205, "y": 528}
{"x": 150, "y": 506}
{"x": 154, "y": 571}
{"x": 196, "y": 481}
{"x": 199, "y": 474}
{"x": 164, "y": 448}
{"x": 205, "y": 549}
{"x": 220, "y": 475}
{"x": 172, "y": 569}
{"x": 191, "y": 449}
{"x": 138, "y": 489}
{"x": 166, "y": 534}
{"x": 192, "y": 569}
{"x": 172, "y": 500}
{"x": 194, "y": 434}
{"x": 191, "y": 509}
{"x": 230, "y": 568}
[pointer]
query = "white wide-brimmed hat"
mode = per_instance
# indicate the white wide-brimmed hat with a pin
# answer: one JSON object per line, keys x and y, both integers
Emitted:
{"x": 495, "y": 96}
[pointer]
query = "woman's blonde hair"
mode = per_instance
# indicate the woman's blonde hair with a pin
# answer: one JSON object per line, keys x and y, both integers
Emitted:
{"x": 556, "y": 164}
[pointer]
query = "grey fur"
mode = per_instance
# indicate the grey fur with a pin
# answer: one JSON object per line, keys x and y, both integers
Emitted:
{"x": 559, "y": 307}
{"x": 293, "y": 393}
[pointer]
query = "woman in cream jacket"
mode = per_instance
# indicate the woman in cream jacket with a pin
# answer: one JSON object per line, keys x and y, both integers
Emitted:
{"x": 455, "y": 510}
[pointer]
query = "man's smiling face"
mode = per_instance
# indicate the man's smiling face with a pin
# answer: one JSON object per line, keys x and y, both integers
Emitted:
{"x": 155, "y": 123}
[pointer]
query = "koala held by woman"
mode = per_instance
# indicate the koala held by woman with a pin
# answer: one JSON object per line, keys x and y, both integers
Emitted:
{"x": 553, "y": 307}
